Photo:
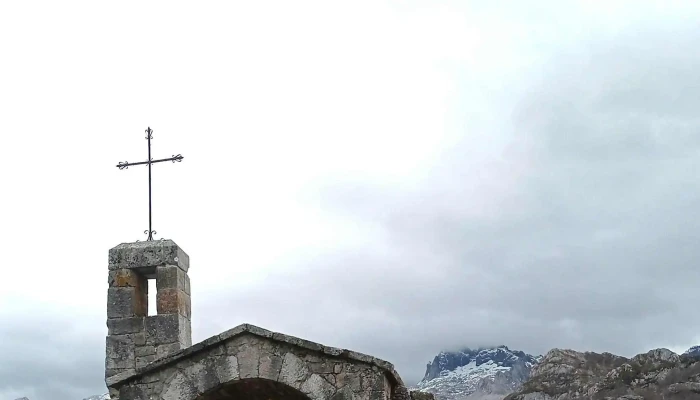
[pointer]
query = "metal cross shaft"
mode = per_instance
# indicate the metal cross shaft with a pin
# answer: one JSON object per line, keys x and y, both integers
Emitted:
{"x": 126, "y": 164}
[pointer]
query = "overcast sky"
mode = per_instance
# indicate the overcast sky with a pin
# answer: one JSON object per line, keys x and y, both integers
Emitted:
{"x": 396, "y": 178}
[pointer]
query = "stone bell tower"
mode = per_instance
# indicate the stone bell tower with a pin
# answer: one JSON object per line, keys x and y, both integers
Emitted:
{"x": 135, "y": 338}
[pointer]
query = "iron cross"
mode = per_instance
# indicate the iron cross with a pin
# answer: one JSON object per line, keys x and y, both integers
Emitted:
{"x": 123, "y": 165}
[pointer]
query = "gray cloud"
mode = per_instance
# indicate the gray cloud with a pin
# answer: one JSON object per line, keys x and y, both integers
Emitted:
{"x": 590, "y": 245}
{"x": 46, "y": 356}
{"x": 572, "y": 221}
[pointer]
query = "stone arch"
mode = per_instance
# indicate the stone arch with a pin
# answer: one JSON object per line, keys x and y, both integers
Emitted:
{"x": 263, "y": 364}
{"x": 251, "y": 366}
{"x": 253, "y": 389}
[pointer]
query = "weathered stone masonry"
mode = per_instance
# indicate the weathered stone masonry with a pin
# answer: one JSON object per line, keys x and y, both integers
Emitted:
{"x": 250, "y": 357}
{"x": 135, "y": 338}
{"x": 151, "y": 357}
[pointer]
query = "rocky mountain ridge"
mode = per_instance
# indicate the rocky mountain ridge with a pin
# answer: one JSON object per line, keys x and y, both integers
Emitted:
{"x": 484, "y": 373}
{"x": 500, "y": 373}
{"x": 571, "y": 375}
{"x": 693, "y": 352}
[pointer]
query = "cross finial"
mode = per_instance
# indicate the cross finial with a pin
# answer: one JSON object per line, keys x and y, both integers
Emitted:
{"x": 125, "y": 165}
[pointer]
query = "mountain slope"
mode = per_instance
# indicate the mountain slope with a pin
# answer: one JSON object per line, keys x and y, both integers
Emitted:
{"x": 571, "y": 375}
{"x": 484, "y": 372}
{"x": 693, "y": 352}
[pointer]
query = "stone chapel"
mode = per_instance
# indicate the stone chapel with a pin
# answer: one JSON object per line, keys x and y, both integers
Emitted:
{"x": 151, "y": 357}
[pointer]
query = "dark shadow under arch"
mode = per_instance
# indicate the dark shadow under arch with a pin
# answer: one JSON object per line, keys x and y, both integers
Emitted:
{"x": 254, "y": 389}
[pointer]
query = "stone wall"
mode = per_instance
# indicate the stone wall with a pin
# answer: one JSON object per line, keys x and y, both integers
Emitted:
{"x": 263, "y": 363}
{"x": 135, "y": 338}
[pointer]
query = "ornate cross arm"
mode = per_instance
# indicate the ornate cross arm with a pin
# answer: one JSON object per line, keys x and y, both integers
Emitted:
{"x": 126, "y": 164}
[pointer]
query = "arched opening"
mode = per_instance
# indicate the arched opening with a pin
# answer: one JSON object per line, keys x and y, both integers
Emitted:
{"x": 254, "y": 389}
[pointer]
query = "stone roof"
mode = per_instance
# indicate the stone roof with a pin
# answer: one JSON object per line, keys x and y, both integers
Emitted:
{"x": 334, "y": 352}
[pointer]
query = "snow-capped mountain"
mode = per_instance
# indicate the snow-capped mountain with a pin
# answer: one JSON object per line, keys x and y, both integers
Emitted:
{"x": 693, "y": 352}
{"x": 480, "y": 373}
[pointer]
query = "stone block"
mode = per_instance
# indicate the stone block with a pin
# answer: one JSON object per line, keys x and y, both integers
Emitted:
{"x": 162, "y": 329}
{"x": 165, "y": 350}
{"x": 248, "y": 360}
{"x": 119, "y": 352}
{"x": 140, "y": 338}
{"x": 270, "y": 363}
{"x": 142, "y": 351}
{"x": 307, "y": 344}
{"x": 343, "y": 394}
{"x": 170, "y": 277}
{"x": 294, "y": 371}
{"x": 247, "y": 338}
{"x": 125, "y": 302}
{"x": 167, "y": 328}
{"x": 330, "y": 378}
{"x": 203, "y": 375}
{"x": 366, "y": 380}
{"x": 372, "y": 381}
{"x": 233, "y": 332}
{"x": 258, "y": 331}
{"x": 317, "y": 388}
{"x": 226, "y": 368}
{"x": 353, "y": 355}
{"x": 121, "y": 326}
{"x": 332, "y": 351}
{"x": 362, "y": 395}
{"x": 350, "y": 380}
{"x": 127, "y": 278}
{"x": 173, "y": 301}
{"x": 186, "y": 332}
{"x": 185, "y": 337}
{"x": 318, "y": 365}
{"x": 180, "y": 387}
{"x": 147, "y": 256}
